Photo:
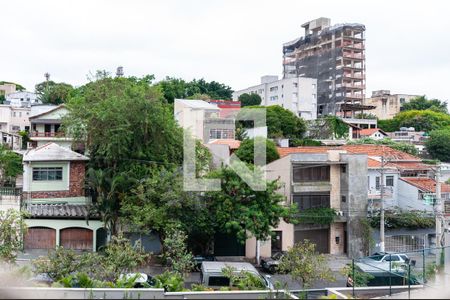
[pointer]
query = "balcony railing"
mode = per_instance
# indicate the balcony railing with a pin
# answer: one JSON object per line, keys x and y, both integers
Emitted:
{"x": 47, "y": 134}
{"x": 10, "y": 191}
{"x": 447, "y": 207}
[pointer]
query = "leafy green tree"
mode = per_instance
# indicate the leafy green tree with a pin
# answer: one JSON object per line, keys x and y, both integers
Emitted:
{"x": 246, "y": 150}
{"x": 2, "y": 99}
{"x": 438, "y": 144}
{"x": 329, "y": 127}
{"x": 10, "y": 165}
{"x": 177, "y": 88}
{"x": 12, "y": 227}
{"x": 51, "y": 92}
{"x": 421, "y": 120}
{"x": 236, "y": 208}
{"x": 280, "y": 122}
{"x": 361, "y": 278}
{"x": 243, "y": 280}
{"x": 422, "y": 103}
{"x": 304, "y": 264}
{"x": 175, "y": 254}
{"x": 250, "y": 99}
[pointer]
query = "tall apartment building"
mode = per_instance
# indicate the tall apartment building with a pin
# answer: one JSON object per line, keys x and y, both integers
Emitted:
{"x": 387, "y": 105}
{"x": 335, "y": 56}
{"x": 298, "y": 94}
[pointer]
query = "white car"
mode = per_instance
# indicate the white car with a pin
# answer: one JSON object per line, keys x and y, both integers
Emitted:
{"x": 387, "y": 257}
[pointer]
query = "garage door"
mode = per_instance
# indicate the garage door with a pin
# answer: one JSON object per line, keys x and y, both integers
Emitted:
{"x": 76, "y": 238}
{"x": 318, "y": 237}
{"x": 40, "y": 238}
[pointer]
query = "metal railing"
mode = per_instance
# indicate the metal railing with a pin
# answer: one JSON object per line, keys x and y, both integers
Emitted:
{"x": 47, "y": 134}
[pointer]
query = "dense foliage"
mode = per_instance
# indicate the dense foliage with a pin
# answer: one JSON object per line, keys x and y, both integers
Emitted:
{"x": 280, "y": 122}
{"x": 304, "y": 142}
{"x": 51, "y": 92}
{"x": 243, "y": 280}
{"x": 10, "y": 165}
{"x": 319, "y": 215}
{"x": 421, "y": 120}
{"x": 249, "y": 99}
{"x": 12, "y": 227}
{"x": 404, "y": 147}
{"x": 404, "y": 219}
{"x": 422, "y": 103}
{"x": 246, "y": 150}
{"x": 175, "y": 254}
{"x": 304, "y": 264}
{"x": 177, "y": 88}
{"x": 438, "y": 144}
{"x": 329, "y": 127}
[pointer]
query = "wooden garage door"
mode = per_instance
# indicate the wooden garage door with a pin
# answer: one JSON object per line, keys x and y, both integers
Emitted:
{"x": 40, "y": 238}
{"x": 318, "y": 237}
{"x": 76, "y": 238}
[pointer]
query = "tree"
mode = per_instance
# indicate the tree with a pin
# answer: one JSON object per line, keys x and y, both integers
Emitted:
{"x": 329, "y": 127}
{"x": 246, "y": 150}
{"x": 421, "y": 120}
{"x": 51, "y": 92}
{"x": 305, "y": 265}
{"x": 422, "y": 103}
{"x": 176, "y": 255}
{"x": 250, "y": 99}
{"x": 177, "y": 88}
{"x": 10, "y": 165}
{"x": 438, "y": 144}
{"x": 12, "y": 228}
{"x": 236, "y": 208}
{"x": 280, "y": 122}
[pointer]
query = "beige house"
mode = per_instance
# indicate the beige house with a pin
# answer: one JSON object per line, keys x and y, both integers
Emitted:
{"x": 319, "y": 177}
{"x": 387, "y": 104}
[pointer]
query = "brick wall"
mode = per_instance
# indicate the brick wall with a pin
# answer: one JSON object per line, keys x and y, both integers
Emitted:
{"x": 76, "y": 183}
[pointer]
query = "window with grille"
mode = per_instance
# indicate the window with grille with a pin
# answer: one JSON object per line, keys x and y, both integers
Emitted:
{"x": 302, "y": 173}
{"x": 313, "y": 200}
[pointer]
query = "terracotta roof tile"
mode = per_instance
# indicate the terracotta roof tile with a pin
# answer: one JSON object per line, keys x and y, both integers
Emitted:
{"x": 304, "y": 149}
{"x": 370, "y": 131}
{"x": 426, "y": 184}
{"x": 233, "y": 144}
{"x": 381, "y": 150}
{"x": 60, "y": 211}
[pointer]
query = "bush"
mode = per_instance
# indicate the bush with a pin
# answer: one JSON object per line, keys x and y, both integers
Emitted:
{"x": 404, "y": 219}
{"x": 176, "y": 255}
{"x": 12, "y": 226}
{"x": 320, "y": 215}
{"x": 170, "y": 281}
{"x": 246, "y": 150}
{"x": 243, "y": 280}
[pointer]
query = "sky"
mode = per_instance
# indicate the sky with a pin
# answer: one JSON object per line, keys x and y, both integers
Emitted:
{"x": 234, "y": 42}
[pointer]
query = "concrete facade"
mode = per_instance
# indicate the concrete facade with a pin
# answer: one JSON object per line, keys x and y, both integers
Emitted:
{"x": 22, "y": 99}
{"x": 387, "y": 104}
{"x": 298, "y": 95}
{"x": 347, "y": 190}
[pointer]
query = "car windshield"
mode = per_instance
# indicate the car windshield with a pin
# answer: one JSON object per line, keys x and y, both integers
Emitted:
{"x": 377, "y": 257}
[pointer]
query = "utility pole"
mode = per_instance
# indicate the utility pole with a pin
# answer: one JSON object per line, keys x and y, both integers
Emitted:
{"x": 382, "y": 205}
{"x": 439, "y": 208}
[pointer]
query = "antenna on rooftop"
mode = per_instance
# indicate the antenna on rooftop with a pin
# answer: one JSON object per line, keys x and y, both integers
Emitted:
{"x": 119, "y": 71}
{"x": 47, "y": 76}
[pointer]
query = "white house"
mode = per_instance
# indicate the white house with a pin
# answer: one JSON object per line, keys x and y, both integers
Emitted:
{"x": 298, "y": 94}
{"x": 373, "y": 133}
{"x": 22, "y": 99}
{"x": 418, "y": 193}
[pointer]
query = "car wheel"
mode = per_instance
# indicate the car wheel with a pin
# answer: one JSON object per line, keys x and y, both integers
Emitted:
{"x": 272, "y": 269}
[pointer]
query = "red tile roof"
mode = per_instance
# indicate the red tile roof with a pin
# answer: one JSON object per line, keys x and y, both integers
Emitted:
{"x": 426, "y": 184}
{"x": 370, "y": 131}
{"x": 304, "y": 149}
{"x": 233, "y": 144}
{"x": 380, "y": 150}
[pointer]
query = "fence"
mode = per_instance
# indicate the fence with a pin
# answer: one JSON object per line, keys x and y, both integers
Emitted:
{"x": 408, "y": 268}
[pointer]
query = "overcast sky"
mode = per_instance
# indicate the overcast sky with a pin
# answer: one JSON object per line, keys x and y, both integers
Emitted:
{"x": 234, "y": 42}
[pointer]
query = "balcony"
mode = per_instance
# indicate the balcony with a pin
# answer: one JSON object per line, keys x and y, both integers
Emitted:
{"x": 10, "y": 198}
{"x": 354, "y": 55}
{"x": 58, "y": 134}
{"x": 353, "y": 86}
{"x": 311, "y": 186}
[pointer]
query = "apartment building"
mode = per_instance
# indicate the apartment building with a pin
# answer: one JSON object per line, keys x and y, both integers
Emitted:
{"x": 22, "y": 99}
{"x": 387, "y": 105}
{"x": 297, "y": 94}
{"x": 7, "y": 88}
{"x": 335, "y": 55}
{"x": 204, "y": 120}
{"x": 317, "y": 177}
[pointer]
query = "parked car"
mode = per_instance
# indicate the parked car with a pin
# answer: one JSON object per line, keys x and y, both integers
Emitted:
{"x": 198, "y": 259}
{"x": 42, "y": 278}
{"x": 211, "y": 273}
{"x": 142, "y": 280}
{"x": 386, "y": 257}
{"x": 270, "y": 264}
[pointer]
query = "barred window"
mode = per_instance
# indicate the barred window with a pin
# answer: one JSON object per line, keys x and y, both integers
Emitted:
{"x": 47, "y": 174}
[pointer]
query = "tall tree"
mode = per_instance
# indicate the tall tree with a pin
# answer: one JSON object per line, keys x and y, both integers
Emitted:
{"x": 421, "y": 120}
{"x": 51, "y": 92}
{"x": 250, "y": 99}
{"x": 422, "y": 103}
{"x": 10, "y": 165}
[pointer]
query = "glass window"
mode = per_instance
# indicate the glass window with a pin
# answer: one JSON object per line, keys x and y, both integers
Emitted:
{"x": 304, "y": 173}
{"x": 47, "y": 174}
{"x": 306, "y": 201}
{"x": 377, "y": 182}
{"x": 389, "y": 180}
{"x": 219, "y": 281}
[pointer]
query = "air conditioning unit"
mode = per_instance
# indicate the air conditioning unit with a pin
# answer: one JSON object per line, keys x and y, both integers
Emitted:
{"x": 340, "y": 213}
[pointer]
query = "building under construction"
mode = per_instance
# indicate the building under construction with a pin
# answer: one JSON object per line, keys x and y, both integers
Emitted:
{"x": 335, "y": 56}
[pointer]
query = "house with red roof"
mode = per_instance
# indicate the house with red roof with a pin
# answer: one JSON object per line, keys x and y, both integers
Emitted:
{"x": 419, "y": 193}
{"x": 373, "y": 133}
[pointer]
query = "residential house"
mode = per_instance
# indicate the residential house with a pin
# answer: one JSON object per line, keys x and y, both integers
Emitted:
{"x": 46, "y": 126}
{"x": 22, "y": 99}
{"x": 12, "y": 120}
{"x": 410, "y": 136}
{"x": 55, "y": 199}
{"x": 316, "y": 177}
{"x": 204, "y": 120}
{"x": 419, "y": 193}
{"x": 372, "y": 133}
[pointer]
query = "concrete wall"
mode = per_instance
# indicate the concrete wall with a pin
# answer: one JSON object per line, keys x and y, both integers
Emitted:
{"x": 408, "y": 198}
{"x": 31, "y": 185}
{"x": 387, "y": 109}
{"x": 390, "y": 195}
{"x": 354, "y": 186}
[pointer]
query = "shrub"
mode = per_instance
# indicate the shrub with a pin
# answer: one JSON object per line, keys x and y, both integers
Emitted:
{"x": 169, "y": 281}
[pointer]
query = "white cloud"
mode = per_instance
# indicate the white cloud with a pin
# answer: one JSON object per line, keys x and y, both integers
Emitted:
{"x": 234, "y": 42}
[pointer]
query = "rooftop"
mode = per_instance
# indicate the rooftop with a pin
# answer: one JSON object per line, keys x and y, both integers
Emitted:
{"x": 197, "y": 104}
{"x": 52, "y": 152}
{"x": 233, "y": 144}
{"x": 59, "y": 211}
{"x": 426, "y": 184}
{"x": 370, "y": 131}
